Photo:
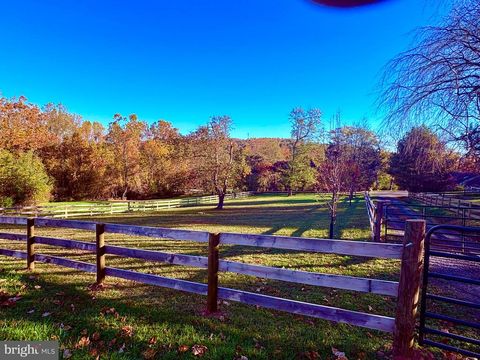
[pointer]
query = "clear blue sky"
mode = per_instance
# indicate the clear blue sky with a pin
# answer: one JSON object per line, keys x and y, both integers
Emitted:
{"x": 184, "y": 61}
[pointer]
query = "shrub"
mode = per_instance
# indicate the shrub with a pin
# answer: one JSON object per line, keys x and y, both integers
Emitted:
{"x": 6, "y": 202}
{"x": 23, "y": 179}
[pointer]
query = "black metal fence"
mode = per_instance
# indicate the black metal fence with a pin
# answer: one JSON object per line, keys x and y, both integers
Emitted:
{"x": 450, "y": 306}
{"x": 443, "y": 239}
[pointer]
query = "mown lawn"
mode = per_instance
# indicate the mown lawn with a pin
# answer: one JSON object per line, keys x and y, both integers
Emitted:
{"x": 127, "y": 320}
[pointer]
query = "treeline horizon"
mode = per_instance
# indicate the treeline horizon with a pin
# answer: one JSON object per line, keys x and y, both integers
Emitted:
{"x": 50, "y": 154}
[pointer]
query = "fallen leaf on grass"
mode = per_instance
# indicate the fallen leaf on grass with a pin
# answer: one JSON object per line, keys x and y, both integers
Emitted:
{"x": 339, "y": 355}
{"x": 258, "y": 346}
{"x": 95, "y": 336}
{"x": 65, "y": 327}
{"x": 126, "y": 331}
{"x": 84, "y": 341}
{"x": 199, "y": 350}
{"x": 31, "y": 311}
{"x": 149, "y": 354}
{"x": 37, "y": 287}
{"x": 183, "y": 348}
{"x": 46, "y": 313}
{"x": 67, "y": 354}
{"x": 96, "y": 287}
{"x": 152, "y": 341}
{"x": 10, "y": 301}
{"x": 94, "y": 353}
{"x": 109, "y": 311}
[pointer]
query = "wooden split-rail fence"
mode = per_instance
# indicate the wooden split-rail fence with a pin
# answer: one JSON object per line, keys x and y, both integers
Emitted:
{"x": 406, "y": 290}
{"x": 375, "y": 211}
{"x": 114, "y": 207}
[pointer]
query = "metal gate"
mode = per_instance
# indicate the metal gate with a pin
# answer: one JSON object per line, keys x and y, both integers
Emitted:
{"x": 450, "y": 303}
{"x": 396, "y": 214}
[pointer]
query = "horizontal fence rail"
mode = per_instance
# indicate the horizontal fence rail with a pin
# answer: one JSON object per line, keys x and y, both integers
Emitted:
{"x": 330, "y": 246}
{"x": 375, "y": 213}
{"x": 370, "y": 211}
{"x": 214, "y": 265}
{"x": 449, "y": 202}
{"x": 374, "y": 286}
{"x": 114, "y": 207}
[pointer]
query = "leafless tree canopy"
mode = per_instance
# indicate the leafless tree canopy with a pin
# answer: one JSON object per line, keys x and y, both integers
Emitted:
{"x": 438, "y": 81}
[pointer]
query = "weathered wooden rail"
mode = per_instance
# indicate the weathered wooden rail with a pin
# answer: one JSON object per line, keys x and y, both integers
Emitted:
{"x": 113, "y": 207}
{"x": 375, "y": 211}
{"x": 406, "y": 289}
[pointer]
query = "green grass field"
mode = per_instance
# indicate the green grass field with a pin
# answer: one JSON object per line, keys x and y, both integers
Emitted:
{"x": 127, "y": 320}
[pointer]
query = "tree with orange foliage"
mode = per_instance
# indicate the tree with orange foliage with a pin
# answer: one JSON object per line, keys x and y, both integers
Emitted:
{"x": 125, "y": 136}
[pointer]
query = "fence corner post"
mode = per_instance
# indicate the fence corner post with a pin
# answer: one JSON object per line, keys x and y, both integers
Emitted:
{"x": 377, "y": 230}
{"x": 100, "y": 251}
{"x": 31, "y": 244}
{"x": 213, "y": 261}
{"x": 409, "y": 289}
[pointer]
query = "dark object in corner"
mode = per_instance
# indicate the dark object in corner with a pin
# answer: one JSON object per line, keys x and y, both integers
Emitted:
{"x": 346, "y": 3}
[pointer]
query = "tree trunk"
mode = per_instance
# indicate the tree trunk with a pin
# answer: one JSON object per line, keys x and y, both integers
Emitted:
{"x": 290, "y": 192}
{"x": 332, "y": 225}
{"x": 221, "y": 200}
{"x": 333, "y": 214}
{"x": 124, "y": 195}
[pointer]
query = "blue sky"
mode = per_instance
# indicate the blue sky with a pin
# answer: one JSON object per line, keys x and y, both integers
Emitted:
{"x": 184, "y": 61}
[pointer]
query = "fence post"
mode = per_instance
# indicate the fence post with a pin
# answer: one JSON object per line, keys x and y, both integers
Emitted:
{"x": 464, "y": 223}
{"x": 100, "y": 251}
{"x": 377, "y": 231}
{"x": 212, "y": 296}
{"x": 409, "y": 289}
{"x": 31, "y": 244}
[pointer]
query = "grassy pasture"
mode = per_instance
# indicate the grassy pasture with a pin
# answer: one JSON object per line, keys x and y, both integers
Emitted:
{"x": 150, "y": 322}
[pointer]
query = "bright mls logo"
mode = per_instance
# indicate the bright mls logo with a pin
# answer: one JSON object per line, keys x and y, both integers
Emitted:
{"x": 35, "y": 350}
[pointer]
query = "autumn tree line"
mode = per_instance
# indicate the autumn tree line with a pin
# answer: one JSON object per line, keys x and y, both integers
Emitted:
{"x": 50, "y": 154}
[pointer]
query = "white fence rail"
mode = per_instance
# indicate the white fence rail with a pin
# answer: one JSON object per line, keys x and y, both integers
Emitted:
{"x": 114, "y": 207}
